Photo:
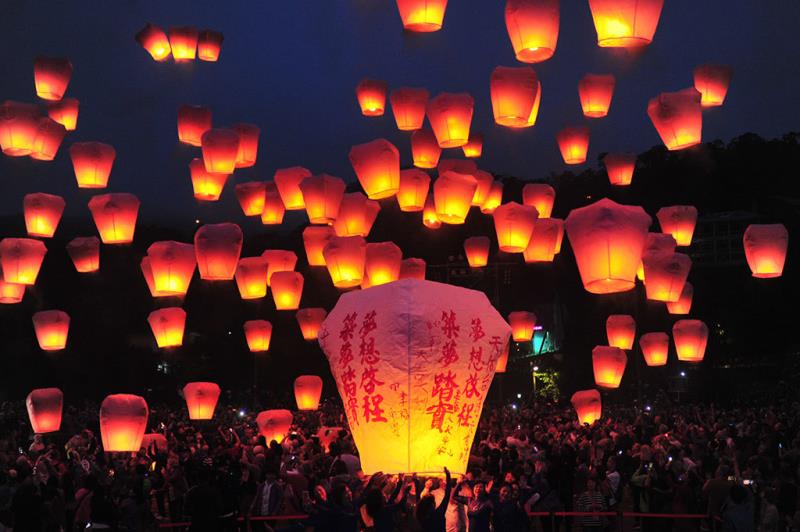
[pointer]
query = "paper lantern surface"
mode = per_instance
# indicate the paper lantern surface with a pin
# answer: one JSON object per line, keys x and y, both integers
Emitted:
{"x": 183, "y": 41}
{"x": 123, "y": 420}
{"x": 413, "y": 189}
{"x": 322, "y": 196}
{"x": 452, "y": 196}
{"x": 115, "y": 216}
{"x": 193, "y": 121}
{"x": 167, "y": 325}
{"x": 678, "y": 118}
{"x": 655, "y": 348}
{"x": 595, "y": 92}
{"x": 279, "y": 260}
{"x": 307, "y": 391}
{"x": 251, "y": 277}
{"x": 684, "y": 303}
{"x": 356, "y": 215}
{"x": 345, "y": 257}
{"x": 92, "y": 162}
{"x": 217, "y": 248}
{"x": 377, "y": 166}
{"x": 429, "y": 217}
{"x": 371, "y": 95}
{"x": 533, "y": 28}
{"x": 425, "y": 150}
{"x": 493, "y": 199}
{"x": 522, "y": 325}
{"x": 172, "y": 265}
{"x": 48, "y": 138}
{"x": 679, "y": 221}
{"x": 65, "y": 112}
{"x": 85, "y": 253}
{"x": 545, "y": 242}
{"x": 476, "y": 248}
{"x": 247, "y": 153}
{"x": 587, "y": 405}
{"x": 621, "y": 330}
{"x": 288, "y": 182}
{"x": 413, "y": 268}
{"x": 609, "y": 365}
{"x": 474, "y": 146}
{"x": 516, "y": 94}
{"x": 620, "y": 167}
{"x": 42, "y": 213}
{"x": 10, "y": 293}
{"x": 382, "y": 262}
{"x": 712, "y": 82}
{"x": 206, "y": 186}
{"x": 258, "y": 334}
{"x": 209, "y": 45}
{"x": 274, "y": 424}
{"x": 691, "y": 339}
{"x": 251, "y": 196}
{"x": 423, "y": 16}
{"x": 52, "y": 329}
{"x": 201, "y": 399}
{"x": 287, "y": 289}
{"x": 514, "y": 225}
{"x": 765, "y": 248}
{"x": 665, "y": 275}
{"x": 154, "y": 438}
{"x": 45, "y": 406}
{"x": 450, "y": 116}
{"x": 574, "y": 144}
{"x": 220, "y": 150}
{"x": 310, "y": 321}
{"x": 51, "y": 76}
{"x": 21, "y": 259}
{"x": 315, "y": 237}
{"x": 154, "y": 40}
{"x": 625, "y": 23}
{"x": 408, "y": 107}
{"x": 540, "y": 196}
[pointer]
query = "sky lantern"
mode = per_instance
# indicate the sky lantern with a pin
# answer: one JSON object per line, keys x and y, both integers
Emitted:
{"x": 619, "y": 167}
{"x": 85, "y": 253}
{"x": 279, "y": 260}
{"x": 42, "y": 213}
{"x": 220, "y": 150}
{"x": 452, "y": 196}
{"x": 371, "y": 94}
{"x": 172, "y": 265}
{"x": 574, "y": 144}
{"x": 314, "y": 239}
{"x": 560, "y": 237}
{"x": 345, "y": 257}
{"x": 92, "y": 162}
{"x": 765, "y": 249}
{"x": 167, "y": 325}
{"x": 147, "y": 273}
{"x": 679, "y": 221}
{"x": 209, "y": 45}
{"x": 516, "y": 93}
{"x": 21, "y": 259}
{"x": 607, "y": 239}
{"x": 205, "y": 185}
{"x": 48, "y": 138}
{"x": 485, "y": 181}
{"x": 609, "y": 365}
{"x": 408, "y": 107}
{"x": 65, "y": 112}
{"x": 44, "y": 409}
{"x": 684, "y": 303}
{"x": 419, "y": 336}
{"x": 356, "y": 215}
{"x": 123, "y": 420}
{"x": 10, "y": 293}
{"x": 514, "y": 225}
{"x": 621, "y": 330}
{"x": 155, "y": 439}
{"x": 248, "y": 144}
{"x": 287, "y": 289}
{"x": 522, "y": 325}
{"x": 493, "y": 199}
{"x": 274, "y": 424}
{"x": 476, "y": 248}
{"x": 544, "y": 243}
{"x": 541, "y": 196}
{"x": 425, "y": 150}
{"x": 273, "y": 205}
{"x": 588, "y": 406}
{"x": 413, "y": 189}
{"x": 625, "y": 23}
{"x": 422, "y": 16}
{"x": 258, "y": 334}
{"x": 52, "y": 328}
{"x": 288, "y": 182}
{"x": 450, "y": 116}
{"x": 310, "y": 321}
{"x": 460, "y": 166}
{"x": 474, "y": 146}
{"x": 307, "y": 392}
{"x": 251, "y": 196}
{"x": 377, "y": 166}
{"x": 382, "y": 262}
{"x": 201, "y": 399}
{"x": 413, "y": 268}
{"x": 115, "y": 216}
{"x": 655, "y": 348}
{"x": 502, "y": 360}
{"x": 251, "y": 277}
{"x": 51, "y": 76}
{"x": 533, "y": 28}
{"x": 322, "y": 195}
{"x": 183, "y": 41}
{"x": 656, "y": 244}
{"x": 217, "y": 248}
{"x": 193, "y": 121}
{"x": 429, "y": 217}
{"x": 595, "y": 92}
{"x": 154, "y": 41}
{"x": 19, "y": 124}
{"x": 712, "y": 82}
{"x": 691, "y": 338}
{"x": 678, "y": 118}
{"x": 665, "y": 275}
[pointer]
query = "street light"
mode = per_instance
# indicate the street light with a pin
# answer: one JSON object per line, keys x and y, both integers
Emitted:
{"x": 535, "y": 369}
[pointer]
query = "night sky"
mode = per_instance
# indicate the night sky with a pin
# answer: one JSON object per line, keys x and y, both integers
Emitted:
{"x": 291, "y": 68}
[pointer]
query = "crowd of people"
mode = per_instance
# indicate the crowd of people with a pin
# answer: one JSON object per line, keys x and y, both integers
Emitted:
{"x": 738, "y": 465}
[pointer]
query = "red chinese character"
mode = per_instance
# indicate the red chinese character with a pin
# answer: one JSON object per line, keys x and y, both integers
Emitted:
{"x": 476, "y": 358}
{"x": 376, "y": 411}
{"x": 369, "y": 355}
{"x": 449, "y": 326}
{"x": 471, "y": 388}
{"x": 438, "y": 413}
{"x": 476, "y": 331}
{"x": 497, "y": 349}
{"x": 345, "y": 354}
{"x": 348, "y": 326}
{"x": 349, "y": 381}
{"x": 369, "y": 379}
{"x": 444, "y": 386}
{"x": 449, "y": 353}
{"x": 368, "y": 325}
{"x": 465, "y": 417}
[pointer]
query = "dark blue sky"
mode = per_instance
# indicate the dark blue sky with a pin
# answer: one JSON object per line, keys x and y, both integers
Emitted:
{"x": 291, "y": 67}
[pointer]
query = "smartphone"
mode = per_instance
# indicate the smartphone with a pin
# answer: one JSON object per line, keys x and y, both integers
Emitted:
{"x": 747, "y": 482}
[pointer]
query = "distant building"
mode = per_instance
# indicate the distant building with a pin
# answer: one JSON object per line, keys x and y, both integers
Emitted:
{"x": 717, "y": 238}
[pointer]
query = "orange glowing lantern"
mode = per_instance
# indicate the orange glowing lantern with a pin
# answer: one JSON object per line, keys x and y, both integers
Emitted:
{"x": 49, "y": 135}
{"x": 560, "y": 237}
{"x": 65, "y": 112}
{"x": 474, "y": 146}
{"x": 371, "y": 94}
{"x": 274, "y": 424}
{"x": 345, "y": 257}
{"x": 209, "y": 44}
{"x": 485, "y": 181}
{"x": 45, "y": 406}
{"x": 51, "y": 76}
{"x": 665, "y": 275}
{"x": 595, "y": 92}
{"x": 356, "y": 215}
{"x": 322, "y": 196}
{"x": 533, "y": 28}
{"x": 147, "y": 273}
{"x": 52, "y": 328}
{"x": 607, "y": 239}
{"x": 251, "y": 277}
{"x": 167, "y": 325}
{"x": 412, "y": 268}
{"x": 502, "y": 361}
{"x": 678, "y": 118}
{"x": 314, "y": 240}
{"x": 452, "y": 196}
{"x": 217, "y": 248}
{"x": 382, "y": 262}
{"x": 287, "y": 289}
{"x": 588, "y": 406}
{"x": 609, "y": 365}
{"x": 115, "y": 216}
{"x": 205, "y": 185}
{"x": 425, "y": 150}
{"x": 712, "y": 82}
{"x": 574, "y": 144}
{"x": 413, "y": 189}
{"x": 85, "y": 253}
{"x": 201, "y": 399}
{"x": 183, "y": 41}
{"x": 92, "y": 162}
{"x": 155, "y": 439}
{"x": 288, "y": 182}
{"x": 21, "y": 259}
{"x": 684, "y": 303}
{"x": 193, "y": 121}
{"x": 248, "y": 144}
{"x": 377, "y": 166}
{"x": 273, "y": 205}
{"x": 516, "y": 94}
{"x": 429, "y": 217}
{"x": 691, "y": 338}
{"x": 19, "y": 124}
{"x": 251, "y": 196}
{"x": 621, "y": 330}
{"x": 450, "y": 116}
{"x": 279, "y": 260}
{"x": 10, "y": 293}
{"x": 459, "y": 166}
{"x": 220, "y": 150}
{"x": 656, "y": 244}
{"x": 679, "y": 221}
{"x": 493, "y": 199}
{"x": 476, "y": 248}
{"x": 765, "y": 249}
{"x": 258, "y": 334}
{"x": 422, "y": 16}
{"x": 154, "y": 40}
{"x": 655, "y": 348}
{"x": 408, "y": 107}
{"x": 123, "y": 420}
{"x": 541, "y": 196}
{"x": 307, "y": 392}
{"x": 625, "y": 23}
{"x": 172, "y": 266}
{"x": 514, "y": 225}
{"x": 545, "y": 240}
{"x": 42, "y": 213}
{"x": 522, "y": 325}
{"x": 310, "y": 320}
{"x": 619, "y": 167}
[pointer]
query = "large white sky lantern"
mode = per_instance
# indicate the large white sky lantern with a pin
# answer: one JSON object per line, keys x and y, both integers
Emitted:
{"x": 413, "y": 361}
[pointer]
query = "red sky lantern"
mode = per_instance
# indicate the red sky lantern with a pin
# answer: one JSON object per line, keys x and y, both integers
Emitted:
{"x": 382, "y": 262}
{"x": 356, "y": 215}
{"x": 588, "y": 406}
{"x": 193, "y": 121}
{"x": 485, "y": 181}
{"x": 413, "y": 189}
{"x": 51, "y": 76}
{"x": 609, "y": 365}
{"x": 310, "y": 320}
{"x": 123, "y": 420}
{"x": 560, "y": 237}
{"x": 209, "y": 45}
{"x": 371, "y": 94}
{"x": 44, "y": 409}
{"x": 476, "y": 248}
{"x": 514, "y": 225}
{"x": 607, "y": 239}
{"x": 201, "y": 399}
{"x": 288, "y": 182}
{"x": 522, "y": 325}
{"x": 10, "y": 293}
{"x": 85, "y": 253}
{"x": 474, "y": 146}
{"x": 220, "y": 150}
{"x": 217, "y": 248}
{"x": 183, "y": 41}
{"x": 314, "y": 240}
{"x": 655, "y": 348}
{"x": 19, "y": 124}
{"x": 619, "y": 167}
{"x": 377, "y": 166}
{"x": 248, "y": 144}
{"x": 540, "y": 196}
{"x": 167, "y": 325}
{"x": 49, "y": 135}
{"x": 544, "y": 243}
{"x": 413, "y": 268}
{"x": 65, "y": 112}
{"x": 678, "y": 118}
{"x": 595, "y": 92}
{"x": 625, "y": 23}
{"x": 621, "y": 330}
{"x": 147, "y": 273}
{"x": 665, "y": 275}
{"x": 459, "y": 166}
{"x": 452, "y": 196}
{"x": 172, "y": 266}
{"x": 92, "y": 162}
{"x": 408, "y": 107}
{"x": 516, "y": 94}
{"x": 273, "y": 205}
{"x": 574, "y": 144}
{"x": 450, "y": 116}
{"x": 287, "y": 289}
{"x": 42, "y": 213}
{"x": 279, "y": 260}
{"x": 52, "y": 328}
{"x": 154, "y": 41}
{"x": 422, "y": 16}
{"x": 274, "y": 424}
{"x": 251, "y": 277}
{"x": 533, "y": 28}
{"x": 322, "y": 195}
{"x": 493, "y": 199}
{"x": 656, "y": 244}
{"x": 765, "y": 249}
{"x": 425, "y": 150}
{"x": 21, "y": 259}
{"x": 251, "y": 196}
{"x": 307, "y": 392}
{"x": 712, "y": 82}
{"x": 115, "y": 216}
{"x": 205, "y": 185}
{"x": 679, "y": 221}
{"x": 429, "y": 217}
{"x": 684, "y": 303}
{"x": 155, "y": 439}
{"x": 344, "y": 258}
{"x": 258, "y": 334}
{"x": 691, "y": 338}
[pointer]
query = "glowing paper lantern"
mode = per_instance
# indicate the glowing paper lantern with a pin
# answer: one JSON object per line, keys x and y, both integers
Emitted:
{"x": 167, "y": 325}
{"x": 450, "y": 116}
{"x": 609, "y": 365}
{"x": 44, "y": 409}
{"x": 193, "y": 121}
{"x": 217, "y": 248}
{"x": 154, "y": 40}
{"x": 493, "y": 199}
{"x": 431, "y": 354}
{"x": 183, "y": 41}
{"x": 588, "y": 406}
{"x": 665, "y": 275}
{"x": 154, "y": 438}
{"x": 595, "y": 92}
{"x": 52, "y": 328}
{"x": 541, "y": 196}
{"x": 288, "y": 182}
{"x": 273, "y": 206}
{"x": 51, "y": 76}
{"x": 574, "y": 144}
{"x": 533, "y": 28}
{"x": 172, "y": 266}
{"x": 115, "y": 216}
{"x": 382, "y": 262}
{"x": 147, "y": 273}
{"x": 422, "y": 16}
{"x": 209, "y": 44}
{"x": 251, "y": 196}
{"x": 621, "y": 330}
{"x": 65, "y": 112}
{"x": 205, "y": 185}
{"x": 371, "y": 94}
{"x": 49, "y": 135}
{"x": 19, "y": 124}
{"x": 314, "y": 240}
{"x": 655, "y": 348}
{"x": 516, "y": 94}
{"x": 287, "y": 289}
{"x": 474, "y": 146}
{"x": 684, "y": 303}
{"x": 21, "y": 259}
{"x": 485, "y": 181}
{"x": 258, "y": 334}
{"x": 201, "y": 399}
{"x": 274, "y": 424}
{"x": 522, "y": 325}
{"x": 307, "y": 392}
{"x": 220, "y": 150}
{"x": 412, "y": 268}
{"x": 452, "y": 196}
{"x": 408, "y": 107}
{"x": 607, "y": 239}
{"x": 310, "y": 321}
{"x": 345, "y": 257}
{"x": 691, "y": 338}
{"x": 10, "y": 293}
{"x": 413, "y": 189}
{"x": 429, "y": 217}
{"x": 42, "y": 213}
{"x": 678, "y": 118}
{"x": 92, "y": 162}
{"x": 679, "y": 221}
{"x": 425, "y": 150}
{"x": 514, "y": 225}
{"x": 322, "y": 195}
{"x": 377, "y": 166}
{"x": 476, "y": 248}
{"x": 279, "y": 260}
{"x": 619, "y": 167}
{"x": 123, "y": 420}
{"x": 502, "y": 360}
{"x": 712, "y": 82}
{"x": 356, "y": 215}
{"x": 765, "y": 249}
{"x": 656, "y": 244}
{"x": 459, "y": 166}
{"x": 625, "y": 23}
{"x": 85, "y": 253}
{"x": 544, "y": 243}
{"x": 248, "y": 144}
{"x": 251, "y": 277}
